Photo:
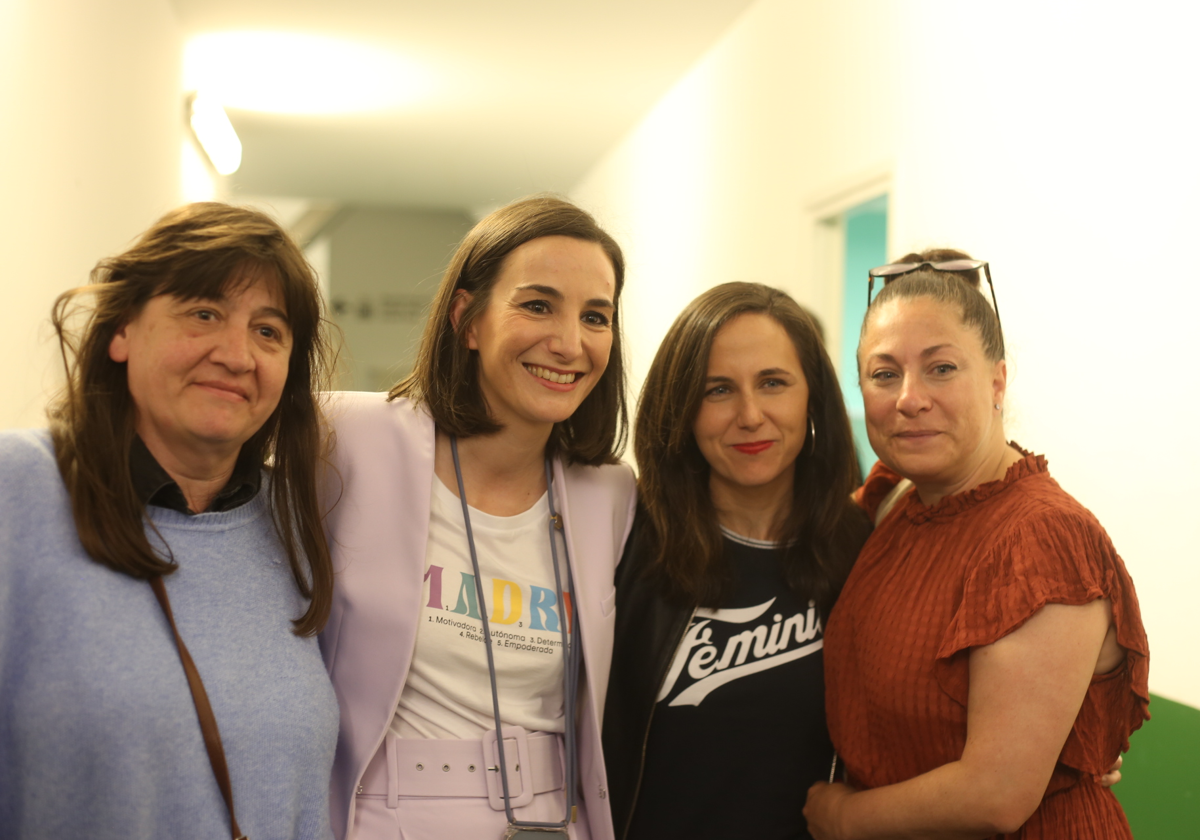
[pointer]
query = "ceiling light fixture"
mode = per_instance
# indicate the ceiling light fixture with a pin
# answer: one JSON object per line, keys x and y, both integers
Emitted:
{"x": 292, "y": 73}
{"x": 215, "y": 134}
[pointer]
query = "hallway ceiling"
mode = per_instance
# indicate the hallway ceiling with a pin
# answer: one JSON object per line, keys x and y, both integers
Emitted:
{"x": 530, "y": 93}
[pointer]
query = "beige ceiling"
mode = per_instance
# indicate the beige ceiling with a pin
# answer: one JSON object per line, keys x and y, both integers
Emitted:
{"x": 532, "y": 93}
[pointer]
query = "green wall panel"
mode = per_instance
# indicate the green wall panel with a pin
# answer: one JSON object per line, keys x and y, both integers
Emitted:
{"x": 1160, "y": 786}
{"x": 865, "y": 248}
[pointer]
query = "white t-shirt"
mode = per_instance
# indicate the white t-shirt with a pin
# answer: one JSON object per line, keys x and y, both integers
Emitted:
{"x": 447, "y": 693}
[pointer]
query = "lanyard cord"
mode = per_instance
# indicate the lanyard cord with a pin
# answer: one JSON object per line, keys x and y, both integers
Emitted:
{"x": 570, "y": 650}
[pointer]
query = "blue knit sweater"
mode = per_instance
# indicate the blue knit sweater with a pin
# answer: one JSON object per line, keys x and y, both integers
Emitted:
{"x": 98, "y": 733}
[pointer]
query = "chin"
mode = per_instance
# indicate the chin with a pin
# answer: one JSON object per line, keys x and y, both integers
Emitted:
{"x": 217, "y": 433}
{"x": 555, "y": 412}
{"x": 916, "y": 467}
{"x": 754, "y": 480}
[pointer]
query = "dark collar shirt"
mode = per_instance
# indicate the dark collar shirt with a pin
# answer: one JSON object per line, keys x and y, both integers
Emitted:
{"x": 155, "y": 487}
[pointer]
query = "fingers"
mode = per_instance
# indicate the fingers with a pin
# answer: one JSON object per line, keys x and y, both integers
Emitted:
{"x": 1114, "y": 773}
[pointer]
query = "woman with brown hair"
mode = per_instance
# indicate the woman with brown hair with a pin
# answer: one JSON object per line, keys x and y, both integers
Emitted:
{"x": 986, "y": 661}
{"x": 495, "y": 459}
{"x": 745, "y": 533}
{"x": 181, "y": 462}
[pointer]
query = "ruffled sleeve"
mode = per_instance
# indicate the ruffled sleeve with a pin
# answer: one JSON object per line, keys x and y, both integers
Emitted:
{"x": 1056, "y": 557}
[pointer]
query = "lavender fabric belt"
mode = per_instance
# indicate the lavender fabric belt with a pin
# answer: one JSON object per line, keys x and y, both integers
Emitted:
{"x": 465, "y": 767}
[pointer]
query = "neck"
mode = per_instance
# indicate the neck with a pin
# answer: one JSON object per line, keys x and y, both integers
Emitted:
{"x": 503, "y": 474}
{"x": 755, "y": 512}
{"x": 201, "y": 474}
{"x": 992, "y": 465}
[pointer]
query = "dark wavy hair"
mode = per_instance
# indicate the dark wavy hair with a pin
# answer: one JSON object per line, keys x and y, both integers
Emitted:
{"x": 198, "y": 251}
{"x": 824, "y": 529}
{"x": 445, "y": 377}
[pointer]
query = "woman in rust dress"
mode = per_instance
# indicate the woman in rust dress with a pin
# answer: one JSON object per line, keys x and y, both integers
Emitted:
{"x": 986, "y": 662}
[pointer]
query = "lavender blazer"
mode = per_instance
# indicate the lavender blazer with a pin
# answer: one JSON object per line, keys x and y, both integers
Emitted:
{"x": 378, "y": 530}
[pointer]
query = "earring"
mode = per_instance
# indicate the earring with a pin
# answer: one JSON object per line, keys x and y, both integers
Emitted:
{"x": 812, "y": 433}
{"x": 998, "y": 408}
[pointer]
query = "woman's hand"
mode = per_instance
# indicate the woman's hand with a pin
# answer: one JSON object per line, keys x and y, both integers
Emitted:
{"x": 822, "y": 809}
{"x": 1114, "y": 773}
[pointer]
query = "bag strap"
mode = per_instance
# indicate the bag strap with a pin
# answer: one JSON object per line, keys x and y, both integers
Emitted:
{"x": 889, "y": 501}
{"x": 208, "y": 721}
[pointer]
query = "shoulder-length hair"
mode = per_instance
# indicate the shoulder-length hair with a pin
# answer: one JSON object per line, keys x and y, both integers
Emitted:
{"x": 445, "y": 377}
{"x": 823, "y": 530}
{"x": 198, "y": 251}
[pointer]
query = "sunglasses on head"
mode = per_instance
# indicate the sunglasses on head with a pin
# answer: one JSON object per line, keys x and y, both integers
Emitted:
{"x": 891, "y": 271}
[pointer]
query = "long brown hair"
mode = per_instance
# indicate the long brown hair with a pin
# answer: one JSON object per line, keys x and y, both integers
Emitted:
{"x": 197, "y": 251}
{"x": 824, "y": 529}
{"x": 445, "y": 377}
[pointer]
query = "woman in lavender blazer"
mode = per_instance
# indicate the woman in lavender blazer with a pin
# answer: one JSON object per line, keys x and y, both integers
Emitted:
{"x": 519, "y": 380}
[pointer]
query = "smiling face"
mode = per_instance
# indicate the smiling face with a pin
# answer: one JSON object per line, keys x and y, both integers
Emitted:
{"x": 930, "y": 394}
{"x": 205, "y": 374}
{"x": 544, "y": 339}
{"x": 753, "y": 418}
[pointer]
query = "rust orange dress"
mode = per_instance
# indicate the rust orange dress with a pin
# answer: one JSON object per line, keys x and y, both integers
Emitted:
{"x": 934, "y": 582}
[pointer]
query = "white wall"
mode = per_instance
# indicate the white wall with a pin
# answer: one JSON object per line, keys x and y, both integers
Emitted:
{"x": 89, "y": 156}
{"x": 1056, "y": 139}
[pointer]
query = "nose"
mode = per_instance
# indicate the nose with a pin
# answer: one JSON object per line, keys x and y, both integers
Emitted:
{"x": 566, "y": 339}
{"x": 749, "y": 414}
{"x": 233, "y": 348}
{"x": 913, "y": 397}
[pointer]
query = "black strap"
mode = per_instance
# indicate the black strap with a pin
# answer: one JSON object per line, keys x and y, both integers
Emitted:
{"x": 208, "y": 721}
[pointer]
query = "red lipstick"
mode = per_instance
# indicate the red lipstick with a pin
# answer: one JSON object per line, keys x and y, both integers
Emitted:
{"x": 755, "y": 447}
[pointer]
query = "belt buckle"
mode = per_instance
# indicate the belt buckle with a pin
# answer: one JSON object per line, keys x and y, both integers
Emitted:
{"x": 514, "y": 736}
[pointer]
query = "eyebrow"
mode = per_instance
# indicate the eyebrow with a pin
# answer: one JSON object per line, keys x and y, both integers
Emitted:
{"x": 926, "y": 353}
{"x": 764, "y": 372}
{"x": 551, "y": 292}
{"x": 261, "y": 312}
{"x": 272, "y": 312}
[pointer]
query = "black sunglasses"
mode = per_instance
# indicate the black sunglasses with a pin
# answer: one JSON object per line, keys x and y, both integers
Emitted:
{"x": 891, "y": 271}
